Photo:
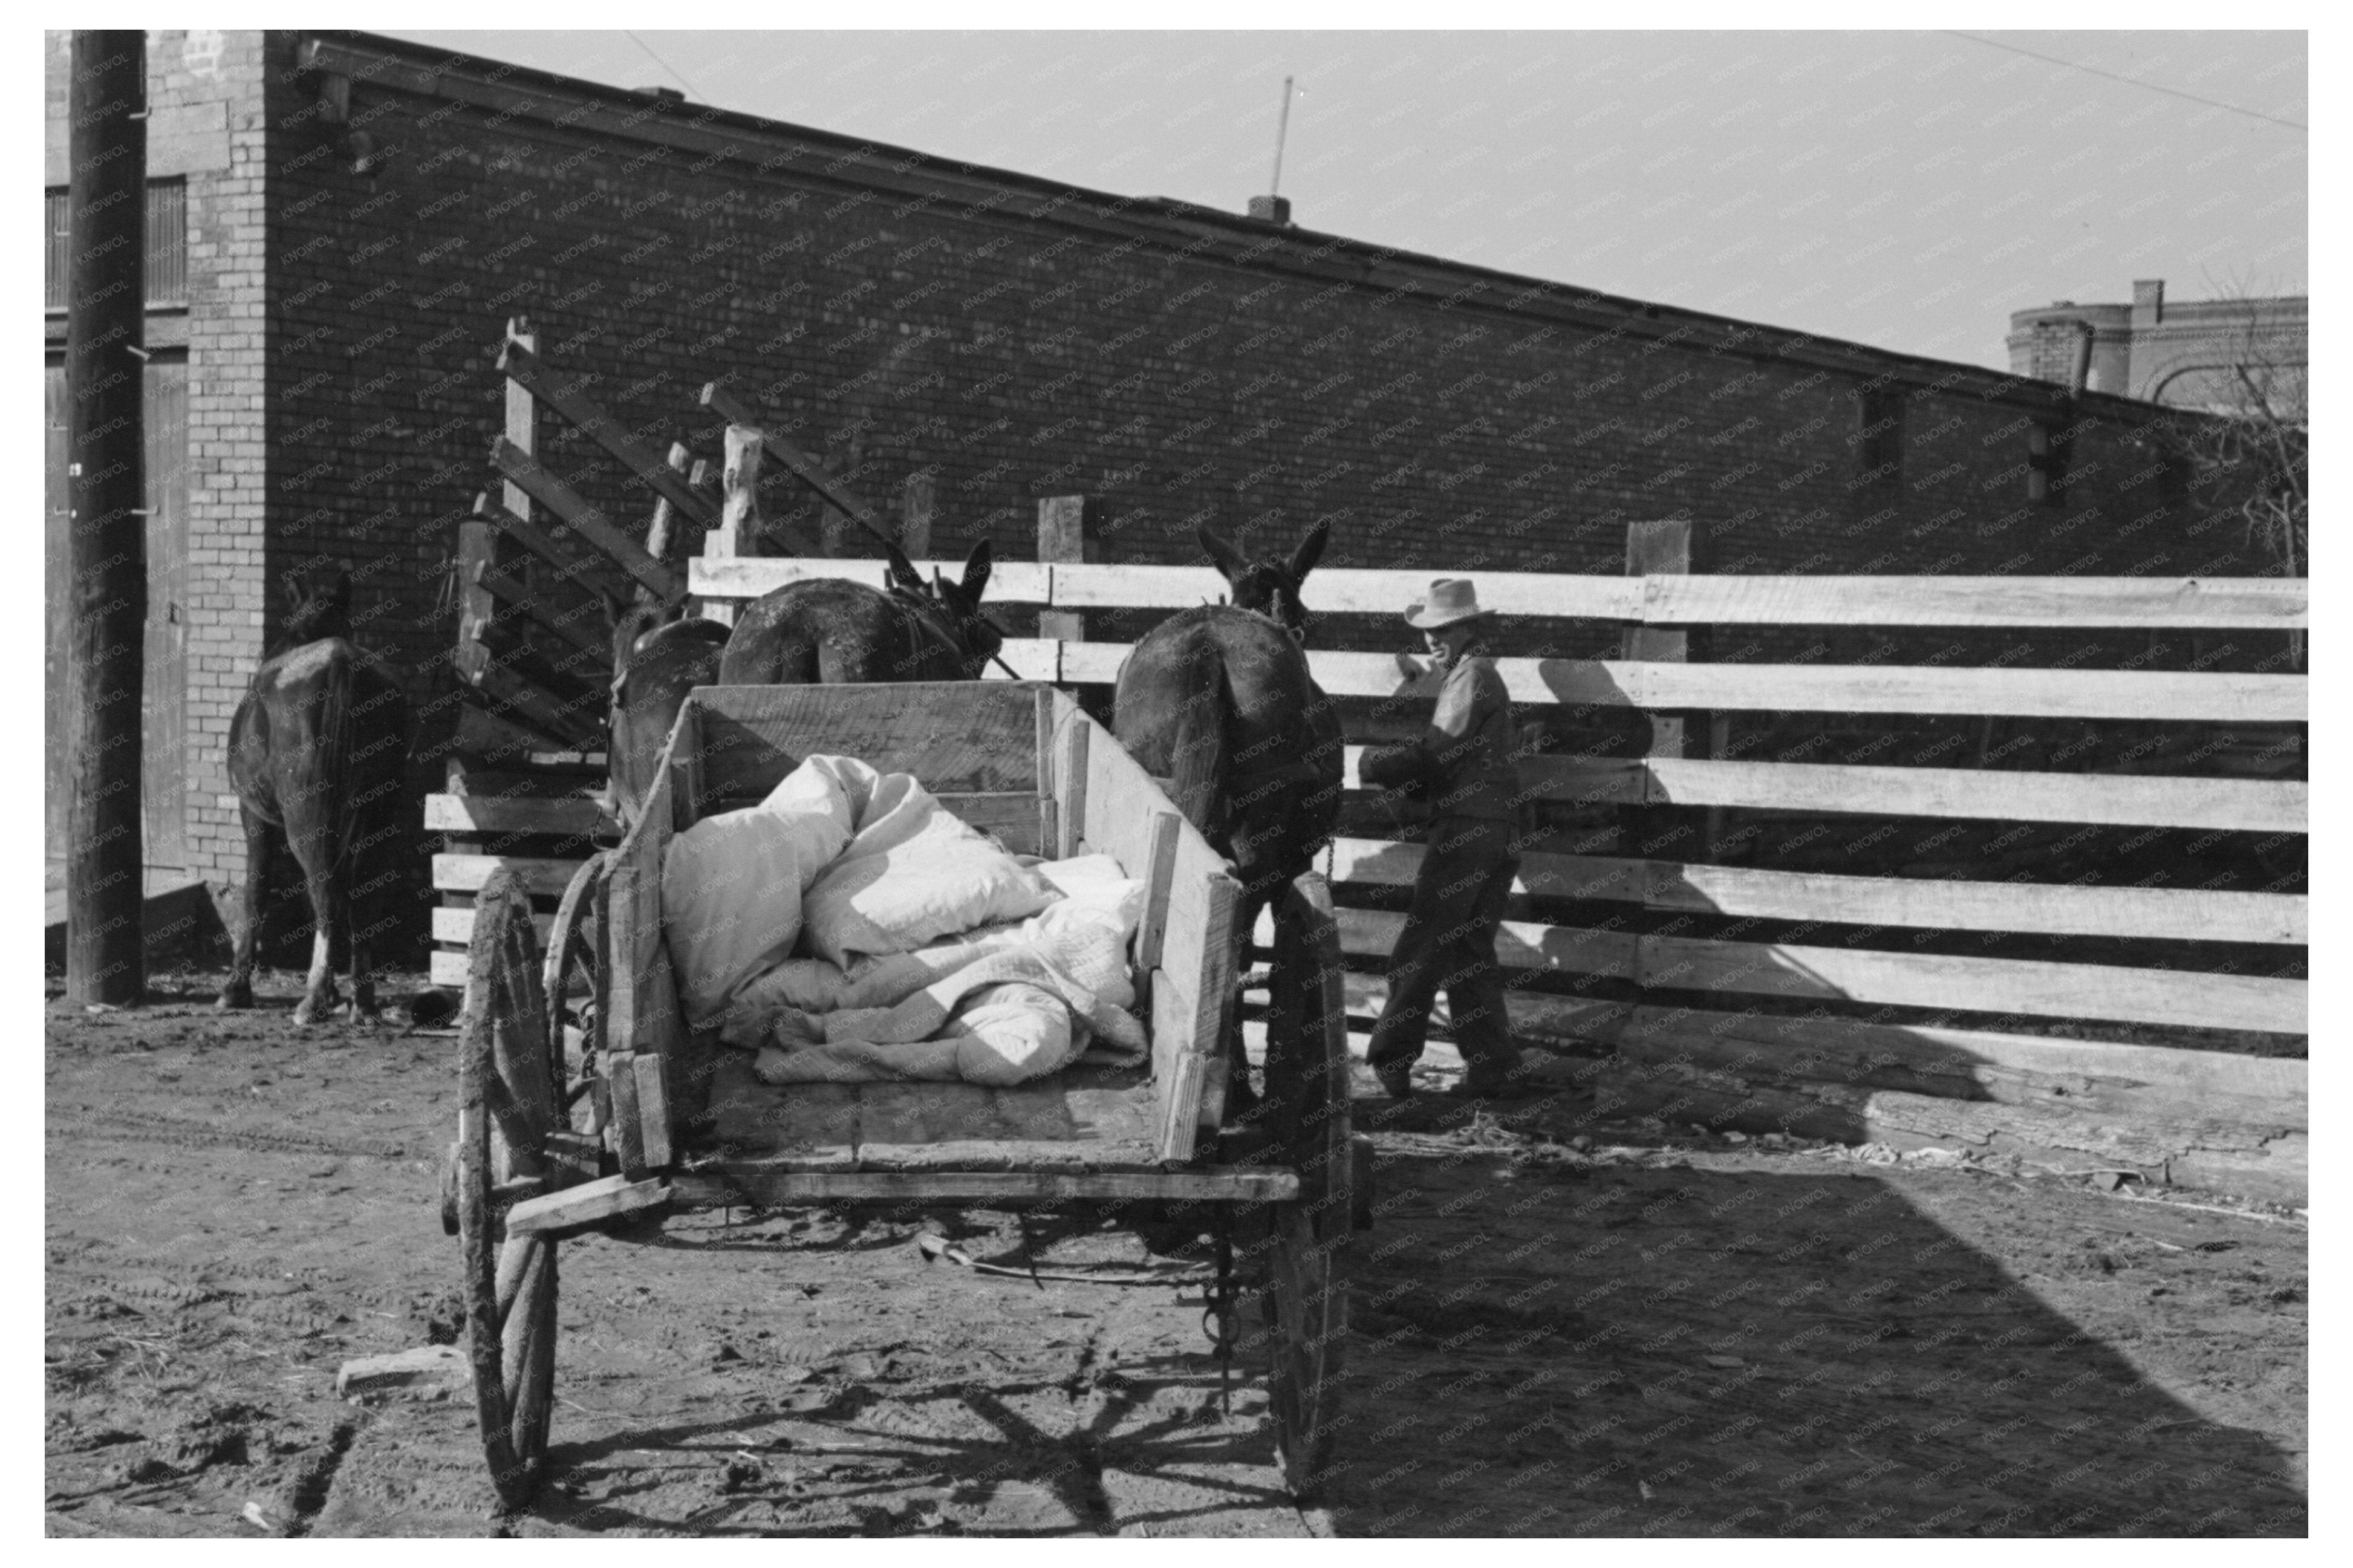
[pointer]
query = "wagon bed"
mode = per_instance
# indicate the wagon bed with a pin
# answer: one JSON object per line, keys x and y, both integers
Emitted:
{"x": 589, "y": 1100}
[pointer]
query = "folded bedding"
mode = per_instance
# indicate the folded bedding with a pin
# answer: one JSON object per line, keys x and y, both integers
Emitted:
{"x": 850, "y": 928}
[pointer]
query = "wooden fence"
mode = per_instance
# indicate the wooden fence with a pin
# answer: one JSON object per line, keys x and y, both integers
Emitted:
{"x": 2209, "y": 1116}
{"x": 1757, "y": 1034}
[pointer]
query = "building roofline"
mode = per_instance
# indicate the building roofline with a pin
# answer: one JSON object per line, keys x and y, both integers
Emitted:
{"x": 1342, "y": 263}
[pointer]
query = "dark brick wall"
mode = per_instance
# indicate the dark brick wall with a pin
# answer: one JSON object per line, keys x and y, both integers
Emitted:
{"x": 1012, "y": 358}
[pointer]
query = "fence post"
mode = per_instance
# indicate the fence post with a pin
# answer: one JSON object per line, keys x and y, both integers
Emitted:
{"x": 1662, "y": 547}
{"x": 1061, "y": 536}
{"x": 657, "y": 531}
{"x": 738, "y": 532}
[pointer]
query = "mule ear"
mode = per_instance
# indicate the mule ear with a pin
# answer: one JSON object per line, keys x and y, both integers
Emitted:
{"x": 902, "y": 571}
{"x": 1225, "y": 557}
{"x": 1310, "y": 551}
{"x": 614, "y": 608}
{"x": 977, "y": 567}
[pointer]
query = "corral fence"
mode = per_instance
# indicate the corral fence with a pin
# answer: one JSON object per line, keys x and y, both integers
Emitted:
{"x": 2163, "y": 1043}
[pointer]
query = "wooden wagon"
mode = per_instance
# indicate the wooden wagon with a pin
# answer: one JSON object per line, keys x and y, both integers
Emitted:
{"x": 589, "y": 1103}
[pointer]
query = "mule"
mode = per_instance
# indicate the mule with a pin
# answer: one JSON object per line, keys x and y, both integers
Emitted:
{"x": 1219, "y": 699}
{"x": 831, "y": 631}
{"x": 657, "y": 661}
{"x": 1270, "y": 586}
{"x": 318, "y": 753}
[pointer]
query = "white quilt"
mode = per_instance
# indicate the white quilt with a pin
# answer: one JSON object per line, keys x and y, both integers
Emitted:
{"x": 850, "y": 928}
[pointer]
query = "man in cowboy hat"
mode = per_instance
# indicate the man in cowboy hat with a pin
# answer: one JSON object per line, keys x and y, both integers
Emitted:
{"x": 1463, "y": 765}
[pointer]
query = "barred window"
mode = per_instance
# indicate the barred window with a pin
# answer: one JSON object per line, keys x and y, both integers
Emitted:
{"x": 167, "y": 244}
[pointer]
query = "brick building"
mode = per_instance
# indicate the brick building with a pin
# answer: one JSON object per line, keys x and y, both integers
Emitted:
{"x": 359, "y": 217}
{"x": 2182, "y": 353}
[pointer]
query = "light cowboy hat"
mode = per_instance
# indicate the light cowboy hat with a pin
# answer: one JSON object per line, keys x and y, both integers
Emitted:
{"x": 1450, "y": 599}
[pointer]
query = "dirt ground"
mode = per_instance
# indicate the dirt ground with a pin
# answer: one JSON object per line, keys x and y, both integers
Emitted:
{"x": 1650, "y": 1334}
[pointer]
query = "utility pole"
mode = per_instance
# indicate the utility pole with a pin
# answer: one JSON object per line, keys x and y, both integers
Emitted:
{"x": 106, "y": 948}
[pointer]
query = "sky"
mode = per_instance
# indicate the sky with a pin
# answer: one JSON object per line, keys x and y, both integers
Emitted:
{"x": 1904, "y": 189}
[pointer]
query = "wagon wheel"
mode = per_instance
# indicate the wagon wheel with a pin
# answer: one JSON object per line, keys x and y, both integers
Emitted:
{"x": 1306, "y": 1299}
{"x": 575, "y": 982}
{"x": 508, "y": 1105}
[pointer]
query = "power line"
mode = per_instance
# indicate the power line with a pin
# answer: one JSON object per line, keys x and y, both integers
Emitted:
{"x": 2130, "y": 81}
{"x": 665, "y": 65}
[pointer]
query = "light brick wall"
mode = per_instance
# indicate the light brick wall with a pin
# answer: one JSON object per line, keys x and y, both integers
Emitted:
{"x": 227, "y": 315}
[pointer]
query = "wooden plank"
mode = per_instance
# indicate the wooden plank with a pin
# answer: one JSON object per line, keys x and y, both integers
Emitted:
{"x": 1655, "y": 548}
{"x": 564, "y": 393}
{"x": 587, "y": 519}
{"x": 1851, "y": 974}
{"x": 1071, "y": 785}
{"x": 510, "y": 692}
{"x": 1009, "y": 582}
{"x": 736, "y": 534}
{"x": 1950, "y": 905}
{"x": 1344, "y": 590}
{"x": 1568, "y": 1020}
{"x": 1808, "y": 689}
{"x": 958, "y": 737}
{"x": 807, "y": 1127}
{"x": 2251, "y": 806}
{"x": 1384, "y": 863}
{"x": 583, "y": 1208}
{"x": 514, "y": 814}
{"x": 1973, "y": 1064}
{"x": 1214, "y": 1184}
{"x": 654, "y": 1067}
{"x": 2188, "y": 602}
{"x": 1676, "y": 600}
{"x": 1151, "y": 930}
{"x": 1194, "y": 896}
{"x": 1976, "y": 984}
{"x": 1216, "y": 898}
{"x": 535, "y": 538}
{"x": 509, "y": 590}
{"x": 542, "y": 877}
{"x": 455, "y": 924}
{"x": 447, "y": 968}
{"x": 1069, "y": 1122}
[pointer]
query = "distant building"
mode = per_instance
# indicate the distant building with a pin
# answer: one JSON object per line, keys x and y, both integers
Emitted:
{"x": 2184, "y": 355}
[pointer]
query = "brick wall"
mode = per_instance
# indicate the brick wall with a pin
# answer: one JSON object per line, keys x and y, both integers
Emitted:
{"x": 1011, "y": 358}
{"x": 227, "y": 349}
{"x": 205, "y": 126}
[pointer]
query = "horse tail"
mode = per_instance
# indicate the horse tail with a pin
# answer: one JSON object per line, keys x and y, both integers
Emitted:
{"x": 1205, "y": 704}
{"x": 338, "y": 802}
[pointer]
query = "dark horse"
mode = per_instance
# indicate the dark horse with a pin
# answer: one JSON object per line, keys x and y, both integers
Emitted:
{"x": 1219, "y": 699}
{"x": 318, "y": 752}
{"x": 831, "y": 631}
{"x": 657, "y": 661}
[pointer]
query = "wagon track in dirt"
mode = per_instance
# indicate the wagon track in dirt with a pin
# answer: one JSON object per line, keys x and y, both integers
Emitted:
{"x": 1542, "y": 1345}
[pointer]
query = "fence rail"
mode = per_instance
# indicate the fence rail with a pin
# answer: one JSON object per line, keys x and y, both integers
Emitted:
{"x": 1660, "y": 599}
